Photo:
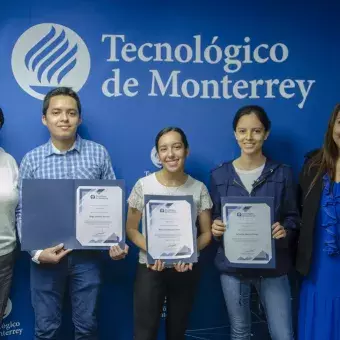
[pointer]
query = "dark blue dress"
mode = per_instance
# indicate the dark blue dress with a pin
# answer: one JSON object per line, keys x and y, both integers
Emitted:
{"x": 319, "y": 313}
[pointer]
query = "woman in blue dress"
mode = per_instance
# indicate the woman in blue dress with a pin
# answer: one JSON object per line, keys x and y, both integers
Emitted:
{"x": 318, "y": 257}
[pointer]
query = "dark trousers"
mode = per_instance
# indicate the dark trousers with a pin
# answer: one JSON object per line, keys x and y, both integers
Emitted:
{"x": 79, "y": 271}
{"x": 151, "y": 288}
{"x": 6, "y": 273}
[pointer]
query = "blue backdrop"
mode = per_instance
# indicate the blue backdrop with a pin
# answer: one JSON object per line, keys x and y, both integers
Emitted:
{"x": 142, "y": 65}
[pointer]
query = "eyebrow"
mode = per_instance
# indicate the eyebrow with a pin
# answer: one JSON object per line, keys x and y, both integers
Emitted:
{"x": 162, "y": 145}
{"x": 59, "y": 109}
{"x": 259, "y": 127}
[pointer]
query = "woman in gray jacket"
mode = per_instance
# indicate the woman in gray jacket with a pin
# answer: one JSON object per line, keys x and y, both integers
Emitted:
{"x": 8, "y": 203}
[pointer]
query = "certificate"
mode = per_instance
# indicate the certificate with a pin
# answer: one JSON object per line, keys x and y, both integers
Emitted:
{"x": 81, "y": 214}
{"x": 99, "y": 215}
{"x": 248, "y": 240}
{"x": 170, "y": 229}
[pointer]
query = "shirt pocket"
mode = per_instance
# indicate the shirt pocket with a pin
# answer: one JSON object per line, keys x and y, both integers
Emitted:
{"x": 221, "y": 187}
{"x": 89, "y": 172}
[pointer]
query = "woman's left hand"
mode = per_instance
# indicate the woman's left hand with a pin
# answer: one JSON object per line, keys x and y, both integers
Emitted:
{"x": 278, "y": 231}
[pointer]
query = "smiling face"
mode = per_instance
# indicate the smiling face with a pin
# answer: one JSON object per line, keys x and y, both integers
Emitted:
{"x": 172, "y": 152}
{"x": 62, "y": 118}
{"x": 250, "y": 134}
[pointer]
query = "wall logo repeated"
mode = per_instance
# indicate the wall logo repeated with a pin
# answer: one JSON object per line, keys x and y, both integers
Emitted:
{"x": 155, "y": 159}
{"x": 50, "y": 55}
{"x": 8, "y": 308}
{"x": 10, "y": 327}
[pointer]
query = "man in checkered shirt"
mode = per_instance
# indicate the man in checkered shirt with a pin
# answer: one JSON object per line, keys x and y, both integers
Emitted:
{"x": 65, "y": 156}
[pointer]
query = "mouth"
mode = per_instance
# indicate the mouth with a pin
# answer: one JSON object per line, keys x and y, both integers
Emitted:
{"x": 172, "y": 163}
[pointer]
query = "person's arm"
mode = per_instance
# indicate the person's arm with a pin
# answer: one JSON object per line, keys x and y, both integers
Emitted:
{"x": 204, "y": 219}
{"x": 115, "y": 252}
{"x": 136, "y": 205}
{"x": 217, "y": 227}
{"x": 132, "y": 228}
{"x": 204, "y": 239}
{"x": 25, "y": 172}
{"x": 48, "y": 255}
{"x": 290, "y": 218}
{"x": 107, "y": 170}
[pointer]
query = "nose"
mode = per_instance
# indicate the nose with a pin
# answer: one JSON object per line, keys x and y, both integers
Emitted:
{"x": 64, "y": 116}
{"x": 248, "y": 135}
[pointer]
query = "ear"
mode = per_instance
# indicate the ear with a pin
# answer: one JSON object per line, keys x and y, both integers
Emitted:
{"x": 43, "y": 119}
{"x": 80, "y": 120}
{"x": 266, "y": 135}
{"x": 235, "y": 135}
{"x": 187, "y": 152}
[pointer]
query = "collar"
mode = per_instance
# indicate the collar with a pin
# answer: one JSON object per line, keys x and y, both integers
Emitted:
{"x": 269, "y": 168}
{"x": 50, "y": 149}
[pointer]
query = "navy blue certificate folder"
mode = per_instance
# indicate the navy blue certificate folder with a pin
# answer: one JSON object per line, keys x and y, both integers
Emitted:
{"x": 49, "y": 212}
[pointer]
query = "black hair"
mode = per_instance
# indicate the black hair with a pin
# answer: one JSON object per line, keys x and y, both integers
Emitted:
{"x": 256, "y": 110}
{"x": 169, "y": 129}
{"x": 61, "y": 91}
{"x": 2, "y": 119}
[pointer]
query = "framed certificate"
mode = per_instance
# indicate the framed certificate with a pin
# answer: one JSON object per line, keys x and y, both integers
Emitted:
{"x": 82, "y": 214}
{"x": 99, "y": 215}
{"x": 171, "y": 234}
{"x": 248, "y": 240}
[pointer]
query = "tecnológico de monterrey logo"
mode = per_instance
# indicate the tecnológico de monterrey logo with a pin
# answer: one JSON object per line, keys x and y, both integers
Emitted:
{"x": 50, "y": 55}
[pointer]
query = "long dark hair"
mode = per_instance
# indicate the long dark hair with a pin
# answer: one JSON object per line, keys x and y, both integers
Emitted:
{"x": 325, "y": 160}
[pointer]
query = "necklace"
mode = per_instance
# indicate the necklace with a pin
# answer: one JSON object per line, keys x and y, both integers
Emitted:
{"x": 170, "y": 189}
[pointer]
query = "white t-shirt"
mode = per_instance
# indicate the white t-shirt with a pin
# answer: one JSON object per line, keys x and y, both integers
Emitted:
{"x": 8, "y": 201}
{"x": 149, "y": 185}
{"x": 248, "y": 177}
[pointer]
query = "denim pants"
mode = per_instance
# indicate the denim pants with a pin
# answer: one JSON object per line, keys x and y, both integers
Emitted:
{"x": 275, "y": 296}
{"x": 79, "y": 271}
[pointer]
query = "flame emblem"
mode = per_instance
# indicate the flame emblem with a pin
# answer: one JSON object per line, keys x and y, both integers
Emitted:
{"x": 50, "y": 55}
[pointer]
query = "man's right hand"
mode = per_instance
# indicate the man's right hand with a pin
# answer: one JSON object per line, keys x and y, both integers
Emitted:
{"x": 53, "y": 255}
{"x": 218, "y": 228}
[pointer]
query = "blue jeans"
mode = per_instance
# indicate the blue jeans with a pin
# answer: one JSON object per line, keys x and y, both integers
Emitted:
{"x": 275, "y": 296}
{"x": 48, "y": 285}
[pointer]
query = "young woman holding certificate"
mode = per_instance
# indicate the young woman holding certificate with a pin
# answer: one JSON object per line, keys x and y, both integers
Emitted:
{"x": 253, "y": 176}
{"x": 318, "y": 256}
{"x": 177, "y": 281}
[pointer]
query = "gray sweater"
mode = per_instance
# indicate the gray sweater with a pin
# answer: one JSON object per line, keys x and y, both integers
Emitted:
{"x": 8, "y": 201}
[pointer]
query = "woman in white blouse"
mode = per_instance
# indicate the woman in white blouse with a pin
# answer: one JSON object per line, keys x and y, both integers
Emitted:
{"x": 156, "y": 282}
{"x": 8, "y": 203}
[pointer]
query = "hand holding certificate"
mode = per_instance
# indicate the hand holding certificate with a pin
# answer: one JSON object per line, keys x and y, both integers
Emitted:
{"x": 170, "y": 229}
{"x": 248, "y": 238}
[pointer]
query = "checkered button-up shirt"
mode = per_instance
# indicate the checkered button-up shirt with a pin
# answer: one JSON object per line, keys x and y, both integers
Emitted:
{"x": 85, "y": 160}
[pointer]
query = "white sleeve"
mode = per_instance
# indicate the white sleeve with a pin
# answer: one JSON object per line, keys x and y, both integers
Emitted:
{"x": 136, "y": 198}
{"x": 205, "y": 200}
